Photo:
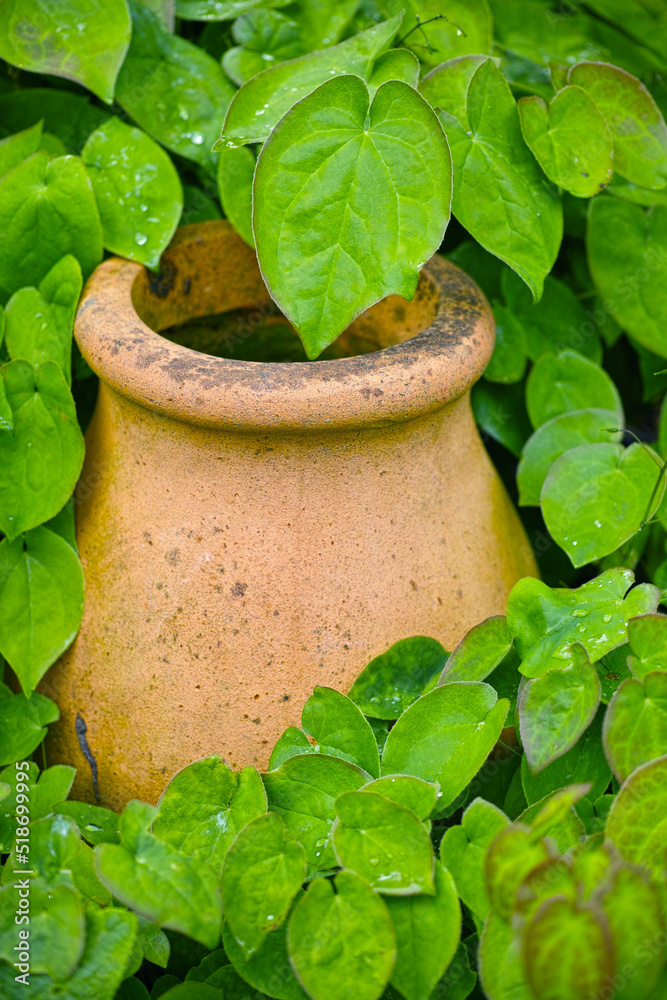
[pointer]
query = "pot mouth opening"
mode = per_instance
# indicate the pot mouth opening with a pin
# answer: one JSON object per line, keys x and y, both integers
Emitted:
{"x": 202, "y": 342}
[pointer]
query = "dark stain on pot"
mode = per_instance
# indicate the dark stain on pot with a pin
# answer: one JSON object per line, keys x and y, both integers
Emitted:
{"x": 173, "y": 557}
{"x": 161, "y": 284}
{"x": 239, "y": 589}
{"x": 81, "y": 729}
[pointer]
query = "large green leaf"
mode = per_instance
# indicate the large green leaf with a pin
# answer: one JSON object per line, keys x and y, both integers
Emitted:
{"x": 111, "y": 935}
{"x": 158, "y": 881}
{"x": 266, "y": 38}
{"x": 41, "y": 602}
{"x": 568, "y": 381}
{"x": 331, "y": 168}
{"x": 637, "y": 821}
{"x": 41, "y": 456}
{"x": 205, "y": 806}
{"x": 81, "y": 40}
{"x": 480, "y": 651}
{"x": 635, "y": 726}
{"x": 427, "y": 934}
{"x": 635, "y": 121}
{"x": 570, "y": 140}
{"x": 446, "y": 736}
{"x": 418, "y": 795}
{"x": 556, "y": 707}
{"x": 16, "y": 148}
{"x": 567, "y": 952}
{"x": 39, "y": 320}
{"x": 556, "y": 436}
{"x": 236, "y": 169}
{"x": 463, "y": 852}
{"x": 647, "y": 636}
{"x": 627, "y": 256}
{"x": 500, "y": 194}
{"x": 137, "y": 189}
{"x": 303, "y": 791}
{"x": 340, "y": 729}
{"x": 263, "y": 872}
{"x": 463, "y": 26}
{"x": 174, "y": 90}
{"x": 261, "y": 103}
{"x": 47, "y": 210}
{"x": 544, "y": 622}
{"x": 268, "y": 969}
{"x": 343, "y": 942}
{"x": 57, "y": 927}
{"x": 392, "y": 681}
{"x": 597, "y": 496}
{"x": 384, "y": 842}
{"x": 584, "y": 763}
{"x": 23, "y": 723}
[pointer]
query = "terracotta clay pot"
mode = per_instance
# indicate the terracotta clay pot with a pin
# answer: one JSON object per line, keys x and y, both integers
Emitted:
{"x": 249, "y": 530}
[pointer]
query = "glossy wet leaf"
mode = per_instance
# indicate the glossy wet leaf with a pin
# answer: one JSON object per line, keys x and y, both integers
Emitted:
{"x": 394, "y": 680}
{"x": 467, "y": 26}
{"x": 384, "y": 842}
{"x": 42, "y": 455}
{"x": 509, "y": 359}
{"x": 647, "y": 636}
{"x": 81, "y": 40}
{"x": 236, "y": 169}
{"x": 96, "y": 824}
{"x": 637, "y": 821}
{"x": 321, "y": 179}
{"x": 292, "y": 743}
{"x": 522, "y": 223}
{"x": 38, "y": 321}
{"x": 635, "y": 727}
{"x": 544, "y": 622}
{"x": 567, "y": 952}
{"x": 556, "y": 436}
{"x": 499, "y": 962}
{"x": 584, "y": 763}
{"x": 322, "y": 22}
{"x": 303, "y": 791}
{"x": 137, "y": 190}
{"x": 627, "y": 256}
{"x": 428, "y": 929}
{"x": 339, "y": 729}
{"x": 266, "y": 38}
{"x": 417, "y": 795}
{"x": 268, "y": 969}
{"x": 261, "y": 103}
{"x": 463, "y": 852}
{"x": 16, "y": 148}
{"x": 570, "y": 140}
{"x": 446, "y": 736}
{"x": 205, "y": 806}
{"x": 353, "y": 948}
{"x": 568, "y": 381}
{"x": 479, "y": 652}
{"x": 41, "y": 602}
{"x": 57, "y": 928}
{"x": 23, "y": 724}
{"x": 159, "y": 882}
{"x": 597, "y": 496}
{"x": 174, "y": 90}
{"x": 635, "y": 121}
{"x": 218, "y": 10}
{"x": 47, "y": 210}
{"x": 263, "y": 871}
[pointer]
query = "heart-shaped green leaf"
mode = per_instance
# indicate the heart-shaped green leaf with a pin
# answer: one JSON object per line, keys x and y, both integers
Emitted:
{"x": 340, "y": 729}
{"x": 51, "y": 39}
{"x": 568, "y": 381}
{"x": 570, "y": 140}
{"x": 635, "y": 726}
{"x": 557, "y": 707}
{"x": 323, "y": 259}
{"x": 522, "y": 223}
{"x": 647, "y": 636}
{"x": 263, "y": 872}
{"x": 384, "y": 842}
{"x": 16, "y": 148}
{"x": 627, "y": 256}
{"x": 637, "y": 821}
{"x": 479, "y": 652}
{"x": 567, "y": 951}
{"x": 419, "y": 796}
{"x": 446, "y": 736}
{"x": 137, "y": 189}
{"x": 556, "y": 436}
{"x": 342, "y": 942}
{"x": 394, "y": 680}
{"x": 597, "y": 496}
{"x": 544, "y": 622}
{"x": 509, "y": 359}
{"x": 57, "y": 927}
{"x": 584, "y": 763}
{"x": 268, "y": 969}
{"x": 635, "y": 121}
{"x": 463, "y": 852}
{"x": 22, "y": 724}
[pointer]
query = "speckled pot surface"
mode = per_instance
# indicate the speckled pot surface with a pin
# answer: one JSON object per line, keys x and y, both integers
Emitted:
{"x": 249, "y": 530}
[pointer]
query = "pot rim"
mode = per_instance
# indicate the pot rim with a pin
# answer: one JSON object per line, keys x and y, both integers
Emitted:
{"x": 391, "y": 385}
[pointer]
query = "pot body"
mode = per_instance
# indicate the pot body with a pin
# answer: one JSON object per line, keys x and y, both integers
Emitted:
{"x": 229, "y": 569}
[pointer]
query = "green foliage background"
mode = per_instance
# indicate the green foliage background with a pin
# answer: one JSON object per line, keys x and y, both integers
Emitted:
{"x": 490, "y": 823}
